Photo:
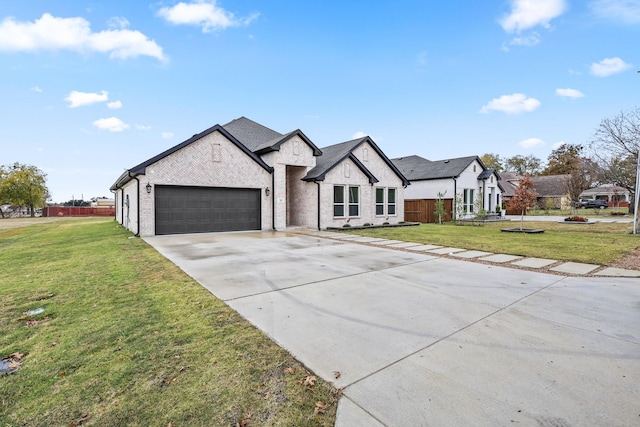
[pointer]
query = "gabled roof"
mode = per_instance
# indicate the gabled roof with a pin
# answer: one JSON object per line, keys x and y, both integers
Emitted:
{"x": 334, "y": 154}
{"x": 486, "y": 174}
{"x": 551, "y": 185}
{"x": 607, "y": 189}
{"x": 260, "y": 139}
{"x": 140, "y": 169}
{"x": 417, "y": 168}
{"x": 250, "y": 133}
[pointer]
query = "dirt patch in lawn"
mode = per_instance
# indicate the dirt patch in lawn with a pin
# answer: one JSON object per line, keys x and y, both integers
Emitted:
{"x": 630, "y": 261}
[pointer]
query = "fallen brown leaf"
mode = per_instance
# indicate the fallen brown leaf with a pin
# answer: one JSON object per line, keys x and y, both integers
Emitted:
{"x": 290, "y": 370}
{"x": 152, "y": 357}
{"x": 337, "y": 374}
{"x": 81, "y": 420}
{"x": 320, "y": 407}
{"x": 310, "y": 381}
{"x": 32, "y": 323}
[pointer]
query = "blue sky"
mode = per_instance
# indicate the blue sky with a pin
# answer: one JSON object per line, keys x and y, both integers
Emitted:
{"x": 90, "y": 88}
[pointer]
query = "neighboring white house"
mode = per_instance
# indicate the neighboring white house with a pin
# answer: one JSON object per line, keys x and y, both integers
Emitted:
{"x": 613, "y": 194}
{"x": 476, "y": 185}
{"x": 245, "y": 176}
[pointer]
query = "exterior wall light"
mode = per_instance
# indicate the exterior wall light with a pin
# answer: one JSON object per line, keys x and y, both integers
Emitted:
{"x": 148, "y": 187}
{"x": 266, "y": 191}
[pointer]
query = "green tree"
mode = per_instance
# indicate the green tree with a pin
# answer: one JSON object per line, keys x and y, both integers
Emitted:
{"x": 524, "y": 197}
{"x": 565, "y": 159}
{"x": 23, "y": 186}
{"x": 492, "y": 161}
{"x": 615, "y": 144}
{"x": 523, "y": 165}
{"x": 440, "y": 212}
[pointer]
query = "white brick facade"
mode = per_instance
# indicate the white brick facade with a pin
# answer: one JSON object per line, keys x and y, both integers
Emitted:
{"x": 338, "y": 176}
{"x": 214, "y": 160}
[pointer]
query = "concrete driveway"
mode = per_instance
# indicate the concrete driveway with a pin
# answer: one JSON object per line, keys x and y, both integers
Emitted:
{"x": 422, "y": 340}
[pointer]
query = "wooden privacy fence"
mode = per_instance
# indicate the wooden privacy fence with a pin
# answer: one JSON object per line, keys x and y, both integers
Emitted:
{"x": 77, "y": 211}
{"x": 423, "y": 210}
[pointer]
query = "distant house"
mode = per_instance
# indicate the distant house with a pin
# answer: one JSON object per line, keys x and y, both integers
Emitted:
{"x": 552, "y": 190}
{"x": 613, "y": 194}
{"x": 245, "y": 176}
{"x": 475, "y": 184}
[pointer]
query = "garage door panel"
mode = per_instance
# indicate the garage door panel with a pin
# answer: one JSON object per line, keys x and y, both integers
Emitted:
{"x": 206, "y": 209}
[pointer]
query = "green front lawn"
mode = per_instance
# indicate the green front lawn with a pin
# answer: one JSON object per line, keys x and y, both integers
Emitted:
{"x": 598, "y": 243}
{"x": 126, "y": 338}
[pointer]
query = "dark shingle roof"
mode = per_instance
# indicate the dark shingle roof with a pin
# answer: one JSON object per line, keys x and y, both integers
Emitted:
{"x": 260, "y": 139}
{"x": 334, "y": 154}
{"x": 140, "y": 169}
{"x": 417, "y": 168}
{"x": 250, "y": 133}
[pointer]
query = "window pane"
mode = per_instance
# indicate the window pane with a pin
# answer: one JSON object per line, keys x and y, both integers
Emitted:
{"x": 392, "y": 209}
{"x": 353, "y": 210}
{"x": 379, "y": 195}
{"x": 353, "y": 195}
{"x": 338, "y": 194}
{"x": 392, "y": 195}
{"x": 379, "y": 209}
{"x": 338, "y": 210}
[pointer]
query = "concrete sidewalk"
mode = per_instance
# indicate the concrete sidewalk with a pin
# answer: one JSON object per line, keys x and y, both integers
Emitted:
{"x": 543, "y": 264}
{"x": 423, "y": 339}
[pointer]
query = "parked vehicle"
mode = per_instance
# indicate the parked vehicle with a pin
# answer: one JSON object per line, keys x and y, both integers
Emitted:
{"x": 592, "y": 203}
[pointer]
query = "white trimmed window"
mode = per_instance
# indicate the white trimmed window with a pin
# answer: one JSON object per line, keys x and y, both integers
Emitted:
{"x": 346, "y": 201}
{"x": 338, "y": 200}
{"x": 380, "y": 201}
{"x": 354, "y": 201}
{"x": 391, "y": 201}
{"x": 385, "y": 201}
{"x": 468, "y": 200}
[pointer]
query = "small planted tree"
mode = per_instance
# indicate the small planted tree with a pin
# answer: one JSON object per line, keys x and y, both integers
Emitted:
{"x": 525, "y": 197}
{"x": 478, "y": 205}
{"x": 458, "y": 206}
{"x": 440, "y": 212}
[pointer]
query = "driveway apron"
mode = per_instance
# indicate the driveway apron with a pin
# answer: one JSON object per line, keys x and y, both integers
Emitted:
{"x": 423, "y": 340}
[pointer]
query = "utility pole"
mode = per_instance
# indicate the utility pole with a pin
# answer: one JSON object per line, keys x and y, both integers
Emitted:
{"x": 635, "y": 197}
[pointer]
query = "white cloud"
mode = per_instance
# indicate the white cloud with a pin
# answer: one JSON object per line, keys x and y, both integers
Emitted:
{"x": 112, "y": 124}
{"x": 608, "y": 67}
{"x": 512, "y": 104}
{"x": 79, "y": 99}
{"x": 114, "y": 105}
{"x": 531, "y": 143}
{"x": 167, "y": 135}
{"x": 528, "y": 41}
{"x": 52, "y": 33}
{"x": 569, "y": 93}
{"x": 205, "y": 14}
{"x": 526, "y": 14}
{"x": 359, "y": 134}
{"x": 625, "y": 11}
{"x": 36, "y": 89}
{"x": 558, "y": 145}
{"x": 143, "y": 127}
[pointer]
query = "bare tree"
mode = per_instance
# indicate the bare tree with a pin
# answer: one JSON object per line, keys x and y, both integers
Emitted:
{"x": 615, "y": 144}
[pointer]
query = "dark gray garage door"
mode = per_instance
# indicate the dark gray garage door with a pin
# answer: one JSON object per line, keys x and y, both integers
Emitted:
{"x": 206, "y": 209}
